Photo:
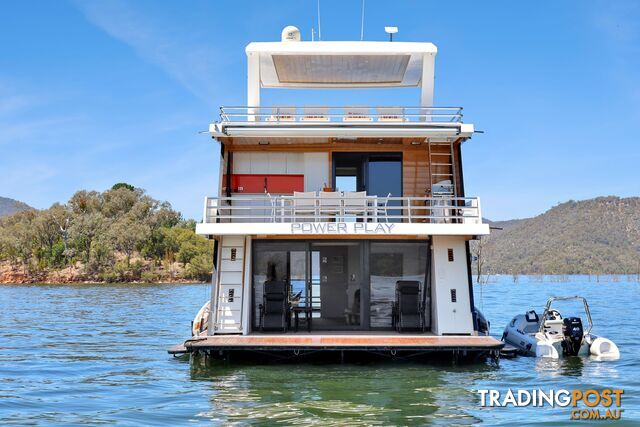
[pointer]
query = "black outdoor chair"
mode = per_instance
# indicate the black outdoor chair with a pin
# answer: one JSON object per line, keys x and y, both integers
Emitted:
{"x": 274, "y": 310}
{"x": 408, "y": 312}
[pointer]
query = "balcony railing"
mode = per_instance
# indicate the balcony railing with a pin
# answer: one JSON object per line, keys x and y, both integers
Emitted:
{"x": 346, "y": 115}
{"x": 345, "y": 208}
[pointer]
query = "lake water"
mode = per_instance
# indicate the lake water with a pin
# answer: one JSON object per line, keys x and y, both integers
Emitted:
{"x": 96, "y": 354}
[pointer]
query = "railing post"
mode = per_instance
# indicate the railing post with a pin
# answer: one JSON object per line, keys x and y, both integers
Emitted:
{"x": 478, "y": 211}
{"x": 205, "y": 218}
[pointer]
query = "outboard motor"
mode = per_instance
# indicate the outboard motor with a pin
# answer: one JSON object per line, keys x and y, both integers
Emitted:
{"x": 573, "y": 333}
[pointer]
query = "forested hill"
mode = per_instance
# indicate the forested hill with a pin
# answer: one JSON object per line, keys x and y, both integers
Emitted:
{"x": 596, "y": 236}
{"x": 10, "y": 206}
{"x": 119, "y": 235}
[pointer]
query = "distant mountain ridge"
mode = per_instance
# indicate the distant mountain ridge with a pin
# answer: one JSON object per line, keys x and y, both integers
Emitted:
{"x": 10, "y": 206}
{"x": 595, "y": 236}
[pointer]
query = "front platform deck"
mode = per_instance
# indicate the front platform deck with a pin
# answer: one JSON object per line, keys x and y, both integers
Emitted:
{"x": 301, "y": 344}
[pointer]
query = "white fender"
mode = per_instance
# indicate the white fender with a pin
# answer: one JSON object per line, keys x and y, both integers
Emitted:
{"x": 603, "y": 347}
{"x": 201, "y": 321}
{"x": 545, "y": 349}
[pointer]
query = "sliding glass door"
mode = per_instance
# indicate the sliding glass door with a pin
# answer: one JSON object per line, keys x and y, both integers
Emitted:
{"x": 275, "y": 261}
{"x": 379, "y": 174}
{"x": 323, "y": 279}
{"x": 336, "y": 285}
{"x": 340, "y": 285}
{"x": 390, "y": 262}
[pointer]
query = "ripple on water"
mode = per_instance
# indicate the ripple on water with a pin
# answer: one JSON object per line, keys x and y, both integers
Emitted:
{"x": 96, "y": 354}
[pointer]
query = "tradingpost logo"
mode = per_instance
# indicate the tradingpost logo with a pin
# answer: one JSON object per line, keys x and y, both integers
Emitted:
{"x": 591, "y": 404}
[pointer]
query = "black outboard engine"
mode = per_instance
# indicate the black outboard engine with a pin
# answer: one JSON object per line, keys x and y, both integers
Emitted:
{"x": 573, "y": 333}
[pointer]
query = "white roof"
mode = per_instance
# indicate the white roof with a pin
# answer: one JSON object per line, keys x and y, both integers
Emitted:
{"x": 343, "y": 64}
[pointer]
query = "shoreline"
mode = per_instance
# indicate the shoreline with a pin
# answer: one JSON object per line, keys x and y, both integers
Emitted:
{"x": 175, "y": 282}
{"x": 77, "y": 274}
{"x": 488, "y": 278}
{"x": 73, "y": 277}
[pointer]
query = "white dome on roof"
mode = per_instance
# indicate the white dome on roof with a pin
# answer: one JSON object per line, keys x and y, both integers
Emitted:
{"x": 290, "y": 34}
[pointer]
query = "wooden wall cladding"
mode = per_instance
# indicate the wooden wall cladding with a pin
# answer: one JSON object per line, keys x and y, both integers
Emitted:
{"x": 415, "y": 173}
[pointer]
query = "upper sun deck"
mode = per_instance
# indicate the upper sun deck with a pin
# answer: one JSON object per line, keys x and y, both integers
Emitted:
{"x": 346, "y": 65}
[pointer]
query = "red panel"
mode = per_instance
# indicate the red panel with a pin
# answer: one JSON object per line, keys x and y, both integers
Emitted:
{"x": 255, "y": 183}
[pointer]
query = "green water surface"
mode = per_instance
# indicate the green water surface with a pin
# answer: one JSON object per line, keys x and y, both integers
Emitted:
{"x": 96, "y": 354}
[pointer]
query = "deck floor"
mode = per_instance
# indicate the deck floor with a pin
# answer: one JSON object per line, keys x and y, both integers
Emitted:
{"x": 342, "y": 340}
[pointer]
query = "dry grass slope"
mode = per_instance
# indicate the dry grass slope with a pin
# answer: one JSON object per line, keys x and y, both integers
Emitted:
{"x": 596, "y": 236}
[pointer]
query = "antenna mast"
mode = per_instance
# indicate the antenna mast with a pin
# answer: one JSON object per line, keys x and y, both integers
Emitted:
{"x": 319, "y": 31}
{"x": 362, "y": 24}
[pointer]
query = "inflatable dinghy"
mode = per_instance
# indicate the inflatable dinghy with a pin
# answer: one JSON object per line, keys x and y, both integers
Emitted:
{"x": 551, "y": 335}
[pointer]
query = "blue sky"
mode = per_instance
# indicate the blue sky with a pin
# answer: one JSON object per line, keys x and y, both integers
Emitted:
{"x": 98, "y": 92}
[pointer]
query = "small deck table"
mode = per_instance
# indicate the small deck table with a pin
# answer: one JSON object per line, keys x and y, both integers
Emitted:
{"x": 308, "y": 312}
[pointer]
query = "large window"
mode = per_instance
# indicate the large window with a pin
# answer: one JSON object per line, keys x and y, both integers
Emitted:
{"x": 388, "y": 263}
{"x": 378, "y": 174}
{"x": 325, "y": 277}
{"x": 330, "y": 278}
{"x": 277, "y": 261}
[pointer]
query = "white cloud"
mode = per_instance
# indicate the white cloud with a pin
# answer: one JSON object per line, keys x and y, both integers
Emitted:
{"x": 190, "y": 63}
{"x": 21, "y": 121}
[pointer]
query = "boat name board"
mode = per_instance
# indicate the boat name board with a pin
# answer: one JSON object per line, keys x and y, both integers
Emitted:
{"x": 340, "y": 228}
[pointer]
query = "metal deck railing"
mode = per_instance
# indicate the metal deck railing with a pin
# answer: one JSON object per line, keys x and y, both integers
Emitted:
{"x": 360, "y": 115}
{"x": 287, "y": 208}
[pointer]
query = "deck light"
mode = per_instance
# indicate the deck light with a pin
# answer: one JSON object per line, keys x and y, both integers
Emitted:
{"x": 391, "y": 31}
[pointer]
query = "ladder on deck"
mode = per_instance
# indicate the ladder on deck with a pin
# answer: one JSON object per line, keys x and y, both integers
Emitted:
{"x": 442, "y": 179}
{"x": 439, "y": 159}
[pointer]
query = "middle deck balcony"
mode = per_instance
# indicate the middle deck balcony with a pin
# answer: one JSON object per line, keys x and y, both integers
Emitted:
{"x": 342, "y": 213}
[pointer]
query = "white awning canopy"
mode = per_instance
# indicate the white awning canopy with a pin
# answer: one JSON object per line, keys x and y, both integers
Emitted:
{"x": 340, "y": 64}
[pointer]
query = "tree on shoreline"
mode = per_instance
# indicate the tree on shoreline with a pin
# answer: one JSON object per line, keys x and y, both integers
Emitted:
{"x": 103, "y": 232}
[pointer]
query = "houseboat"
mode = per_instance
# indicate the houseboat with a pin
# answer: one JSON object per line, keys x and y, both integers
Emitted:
{"x": 341, "y": 230}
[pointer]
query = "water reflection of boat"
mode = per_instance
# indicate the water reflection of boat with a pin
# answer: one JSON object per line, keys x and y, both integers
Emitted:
{"x": 352, "y": 394}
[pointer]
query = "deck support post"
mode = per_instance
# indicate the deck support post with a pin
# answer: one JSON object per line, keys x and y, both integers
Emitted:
{"x": 426, "y": 86}
{"x": 253, "y": 85}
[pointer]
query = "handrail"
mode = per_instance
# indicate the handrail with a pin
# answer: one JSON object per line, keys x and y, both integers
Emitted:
{"x": 447, "y": 209}
{"x": 281, "y": 113}
{"x": 551, "y": 300}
